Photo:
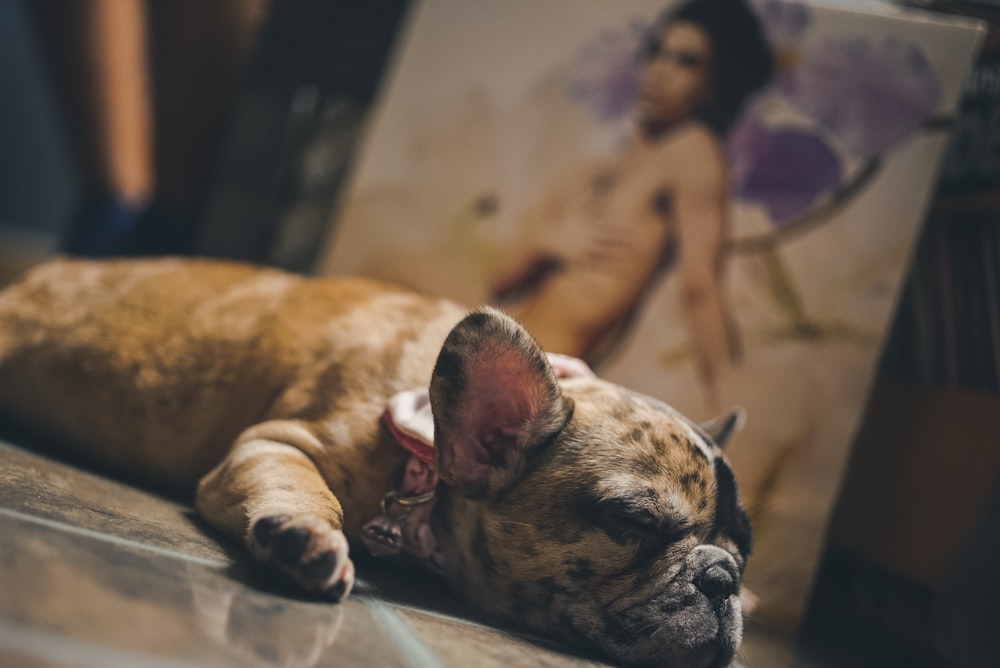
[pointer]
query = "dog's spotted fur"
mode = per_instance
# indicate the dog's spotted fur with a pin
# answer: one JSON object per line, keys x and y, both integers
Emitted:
{"x": 572, "y": 506}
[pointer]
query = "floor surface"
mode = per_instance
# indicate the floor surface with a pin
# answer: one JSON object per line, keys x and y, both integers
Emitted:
{"x": 94, "y": 572}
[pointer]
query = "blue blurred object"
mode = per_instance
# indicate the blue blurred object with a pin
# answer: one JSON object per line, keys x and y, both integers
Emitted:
{"x": 107, "y": 226}
{"x": 103, "y": 226}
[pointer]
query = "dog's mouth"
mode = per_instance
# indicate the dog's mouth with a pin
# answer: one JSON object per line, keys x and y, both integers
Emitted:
{"x": 692, "y": 632}
{"x": 685, "y": 612}
{"x": 682, "y": 627}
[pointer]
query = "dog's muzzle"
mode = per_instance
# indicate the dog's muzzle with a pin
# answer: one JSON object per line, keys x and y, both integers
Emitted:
{"x": 694, "y": 620}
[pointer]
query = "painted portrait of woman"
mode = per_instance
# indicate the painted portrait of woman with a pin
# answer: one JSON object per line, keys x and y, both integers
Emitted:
{"x": 598, "y": 239}
{"x": 711, "y": 201}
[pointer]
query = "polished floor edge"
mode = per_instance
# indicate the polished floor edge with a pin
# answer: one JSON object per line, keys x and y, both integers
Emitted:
{"x": 108, "y": 538}
{"x": 412, "y": 648}
{"x": 67, "y": 651}
{"x": 442, "y": 615}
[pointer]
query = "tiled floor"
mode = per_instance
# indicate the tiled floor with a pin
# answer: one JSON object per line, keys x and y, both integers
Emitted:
{"x": 94, "y": 572}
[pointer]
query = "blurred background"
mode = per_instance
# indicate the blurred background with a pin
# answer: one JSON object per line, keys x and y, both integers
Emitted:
{"x": 222, "y": 128}
{"x": 38, "y": 186}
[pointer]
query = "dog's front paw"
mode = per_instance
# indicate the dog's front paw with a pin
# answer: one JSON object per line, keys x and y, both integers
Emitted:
{"x": 306, "y": 549}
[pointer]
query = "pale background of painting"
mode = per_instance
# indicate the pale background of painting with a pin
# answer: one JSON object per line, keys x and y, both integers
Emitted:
{"x": 476, "y": 107}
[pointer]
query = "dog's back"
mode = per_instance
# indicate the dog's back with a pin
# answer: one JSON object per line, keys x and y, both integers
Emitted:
{"x": 155, "y": 367}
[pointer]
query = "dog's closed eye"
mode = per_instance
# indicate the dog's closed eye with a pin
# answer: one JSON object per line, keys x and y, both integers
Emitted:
{"x": 624, "y": 519}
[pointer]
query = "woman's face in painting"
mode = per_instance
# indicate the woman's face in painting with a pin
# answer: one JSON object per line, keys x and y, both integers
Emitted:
{"x": 676, "y": 80}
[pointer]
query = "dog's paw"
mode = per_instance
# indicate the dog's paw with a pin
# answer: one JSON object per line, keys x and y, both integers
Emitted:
{"x": 306, "y": 549}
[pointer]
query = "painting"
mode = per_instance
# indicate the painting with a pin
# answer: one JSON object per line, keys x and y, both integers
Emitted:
{"x": 712, "y": 201}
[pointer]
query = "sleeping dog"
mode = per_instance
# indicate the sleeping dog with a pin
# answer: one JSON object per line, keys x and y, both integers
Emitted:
{"x": 309, "y": 414}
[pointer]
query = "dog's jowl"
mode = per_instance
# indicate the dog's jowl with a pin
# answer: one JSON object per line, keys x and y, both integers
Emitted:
{"x": 307, "y": 415}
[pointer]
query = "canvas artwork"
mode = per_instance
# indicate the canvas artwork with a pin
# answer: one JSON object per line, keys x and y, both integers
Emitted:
{"x": 712, "y": 201}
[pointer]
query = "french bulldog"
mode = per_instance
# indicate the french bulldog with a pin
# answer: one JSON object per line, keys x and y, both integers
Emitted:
{"x": 307, "y": 414}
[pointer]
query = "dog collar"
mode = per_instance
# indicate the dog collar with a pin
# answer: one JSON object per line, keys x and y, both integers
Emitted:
{"x": 403, "y": 527}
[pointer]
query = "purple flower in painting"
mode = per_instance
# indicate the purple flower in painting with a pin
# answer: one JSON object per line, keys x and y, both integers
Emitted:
{"x": 605, "y": 72}
{"x": 784, "y": 170}
{"x": 868, "y": 94}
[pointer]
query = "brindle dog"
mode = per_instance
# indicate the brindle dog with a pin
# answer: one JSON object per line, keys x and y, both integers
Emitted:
{"x": 570, "y": 505}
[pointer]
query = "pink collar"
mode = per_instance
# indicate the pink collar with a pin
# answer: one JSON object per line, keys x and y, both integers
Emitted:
{"x": 404, "y": 527}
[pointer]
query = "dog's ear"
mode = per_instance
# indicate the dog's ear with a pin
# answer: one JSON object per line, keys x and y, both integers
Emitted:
{"x": 722, "y": 428}
{"x": 494, "y": 397}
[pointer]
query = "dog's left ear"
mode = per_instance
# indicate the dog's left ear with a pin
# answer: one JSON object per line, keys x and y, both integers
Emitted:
{"x": 722, "y": 428}
{"x": 494, "y": 397}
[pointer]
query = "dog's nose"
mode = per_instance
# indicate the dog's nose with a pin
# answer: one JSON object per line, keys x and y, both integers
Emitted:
{"x": 716, "y": 582}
